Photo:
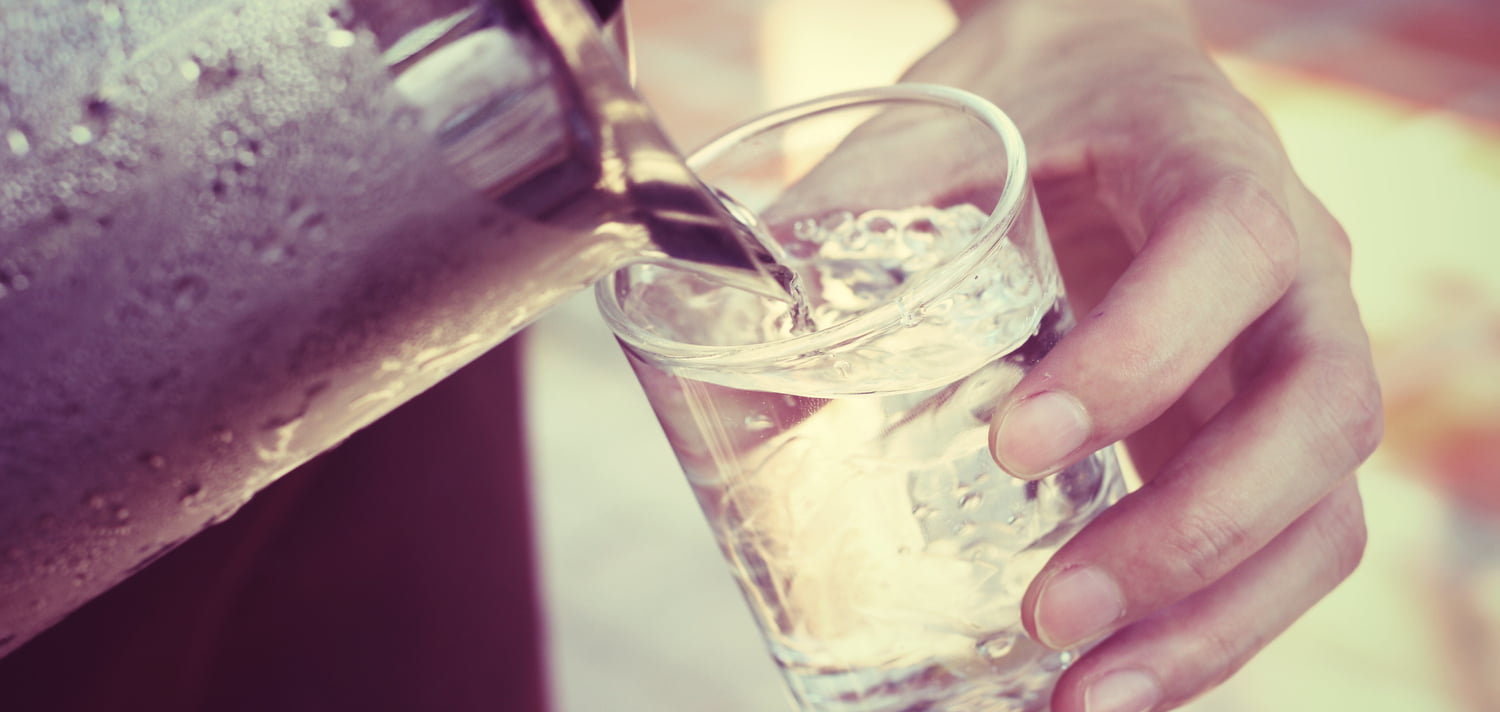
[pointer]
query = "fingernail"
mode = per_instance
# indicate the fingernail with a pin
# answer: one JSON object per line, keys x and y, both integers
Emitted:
{"x": 1037, "y": 434}
{"x": 1122, "y": 691}
{"x": 1077, "y": 605}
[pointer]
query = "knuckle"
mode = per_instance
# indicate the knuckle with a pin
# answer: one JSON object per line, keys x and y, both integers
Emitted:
{"x": 1203, "y": 544}
{"x": 1350, "y": 400}
{"x": 1220, "y": 654}
{"x": 1340, "y": 523}
{"x": 1271, "y": 251}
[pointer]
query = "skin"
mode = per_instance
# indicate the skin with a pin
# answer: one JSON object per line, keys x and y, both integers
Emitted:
{"x": 1218, "y": 338}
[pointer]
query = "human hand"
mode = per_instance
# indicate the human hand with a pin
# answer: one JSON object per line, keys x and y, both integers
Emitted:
{"x": 1217, "y": 335}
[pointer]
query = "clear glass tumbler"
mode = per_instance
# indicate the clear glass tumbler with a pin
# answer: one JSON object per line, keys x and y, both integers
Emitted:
{"x": 839, "y": 449}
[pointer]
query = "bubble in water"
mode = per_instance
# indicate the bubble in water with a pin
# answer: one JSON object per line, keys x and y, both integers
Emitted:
{"x": 806, "y": 229}
{"x": 997, "y": 646}
{"x": 190, "y": 69}
{"x": 909, "y": 316}
{"x": 1058, "y": 662}
{"x": 19, "y": 143}
{"x": 111, "y": 16}
{"x": 341, "y": 38}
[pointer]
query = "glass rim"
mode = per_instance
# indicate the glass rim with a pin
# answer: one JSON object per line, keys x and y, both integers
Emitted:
{"x": 939, "y": 280}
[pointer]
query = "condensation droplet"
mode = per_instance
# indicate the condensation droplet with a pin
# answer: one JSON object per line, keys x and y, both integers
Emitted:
{"x": 188, "y": 292}
{"x": 122, "y": 514}
{"x": 191, "y": 494}
{"x": 308, "y": 222}
{"x": 922, "y": 512}
{"x": 843, "y": 368}
{"x": 190, "y": 69}
{"x": 154, "y": 460}
{"x": 224, "y": 435}
{"x": 758, "y": 421}
{"x": 96, "y": 502}
{"x": 971, "y": 501}
{"x": 19, "y": 143}
{"x": 81, "y": 135}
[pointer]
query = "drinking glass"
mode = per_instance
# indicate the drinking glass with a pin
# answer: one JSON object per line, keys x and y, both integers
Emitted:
{"x": 837, "y": 442}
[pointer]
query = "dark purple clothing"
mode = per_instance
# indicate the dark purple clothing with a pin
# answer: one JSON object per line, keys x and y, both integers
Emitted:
{"x": 394, "y": 573}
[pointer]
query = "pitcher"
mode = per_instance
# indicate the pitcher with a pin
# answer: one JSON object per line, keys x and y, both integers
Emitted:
{"x": 232, "y": 233}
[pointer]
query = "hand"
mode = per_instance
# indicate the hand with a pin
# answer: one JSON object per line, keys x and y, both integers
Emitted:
{"x": 1217, "y": 335}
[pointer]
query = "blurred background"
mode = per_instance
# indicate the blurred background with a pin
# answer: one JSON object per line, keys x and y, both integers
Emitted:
{"x": 1390, "y": 110}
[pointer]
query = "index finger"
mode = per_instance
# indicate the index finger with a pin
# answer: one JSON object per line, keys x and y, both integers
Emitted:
{"x": 1220, "y": 255}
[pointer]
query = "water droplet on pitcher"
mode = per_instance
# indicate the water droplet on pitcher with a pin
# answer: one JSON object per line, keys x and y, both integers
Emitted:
{"x": 81, "y": 134}
{"x": 758, "y": 421}
{"x": 19, "y": 142}
{"x": 224, "y": 435}
{"x": 308, "y": 222}
{"x": 191, "y": 494}
{"x": 843, "y": 368}
{"x": 121, "y": 514}
{"x": 96, "y": 502}
{"x": 13, "y": 278}
{"x": 971, "y": 501}
{"x": 405, "y": 118}
{"x": 188, "y": 292}
{"x": 153, "y": 460}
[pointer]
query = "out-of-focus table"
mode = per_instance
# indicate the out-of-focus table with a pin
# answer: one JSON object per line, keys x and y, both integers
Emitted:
{"x": 1390, "y": 110}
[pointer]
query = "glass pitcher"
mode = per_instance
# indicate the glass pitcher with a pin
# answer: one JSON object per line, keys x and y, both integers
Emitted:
{"x": 234, "y": 232}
